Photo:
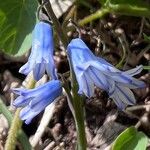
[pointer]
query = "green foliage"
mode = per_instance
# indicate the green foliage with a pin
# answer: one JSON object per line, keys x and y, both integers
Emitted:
{"x": 127, "y": 2}
{"x": 130, "y": 139}
{"x": 128, "y": 7}
{"x": 146, "y": 67}
{"x": 146, "y": 38}
{"x": 17, "y": 19}
{"x": 84, "y": 3}
{"x": 132, "y": 2}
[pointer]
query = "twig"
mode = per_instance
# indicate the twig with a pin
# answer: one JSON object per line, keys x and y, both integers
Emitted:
{"x": 140, "y": 55}
{"x": 141, "y": 27}
{"x": 124, "y": 45}
{"x": 137, "y": 107}
{"x": 144, "y": 117}
{"x": 76, "y": 26}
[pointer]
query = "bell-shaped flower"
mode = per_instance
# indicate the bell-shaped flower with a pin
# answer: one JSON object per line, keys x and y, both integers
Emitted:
{"x": 93, "y": 71}
{"x": 35, "y": 100}
{"x": 41, "y": 57}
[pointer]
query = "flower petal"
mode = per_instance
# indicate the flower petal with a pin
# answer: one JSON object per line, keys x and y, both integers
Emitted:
{"x": 21, "y": 101}
{"x": 45, "y": 98}
{"x": 134, "y": 71}
{"x": 98, "y": 78}
{"x": 27, "y": 114}
{"x": 86, "y": 85}
{"x": 103, "y": 61}
{"x": 51, "y": 71}
{"x": 134, "y": 84}
{"x": 123, "y": 94}
{"x": 38, "y": 71}
{"x": 78, "y": 50}
{"x": 41, "y": 52}
{"x": 120, "y": 104}
{"x": 113, "y": 73}
{"x": 43, "y": 95}
{"x": 25, "y": 69}
{"x": 19, "y": 91}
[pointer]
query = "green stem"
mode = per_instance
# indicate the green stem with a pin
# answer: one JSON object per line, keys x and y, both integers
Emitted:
{"x": 16, "y": 122}
{"x": 24, "y": 140}
{"x": 99, "y": 14}
{"x": 79, "y": 114}
{"x": 13, "y": 132}
{"x": 79, "y": 118}
{"x": 76, "y": 100}
{"x": 119, "y": 65}
{"x": 130, "y": 10}
{"x": 57, "y": 25}
{"x": 122, "y": 9}
{"x": 146, "y": 67}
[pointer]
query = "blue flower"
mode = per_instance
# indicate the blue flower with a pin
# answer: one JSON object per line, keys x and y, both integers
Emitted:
{"x": 41, "y": 57}
{"x": 35, "y": 100}
{"x": 93, "y": 71}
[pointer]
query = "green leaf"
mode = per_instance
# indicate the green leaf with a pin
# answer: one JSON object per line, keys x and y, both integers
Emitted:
{"x": 17, "y": 19}
{"x": 146, "y": 38}
{"x": 130, "y": 139}
{"x": 102, "y": 2}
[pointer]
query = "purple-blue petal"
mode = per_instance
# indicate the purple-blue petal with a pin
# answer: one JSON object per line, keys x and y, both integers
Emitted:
{"x": 27, "y": 114}
{"x": 122, "y": 96}
{"x": 19, "y": 91}
{"x": 37, "y": 99}
{"x": 38, "y": 71}
{"x": 79, "y": 52}
{"x": 50, "y": 93}
{"x": 134, "y": 71}
{"x": 91, "y": 70}
{"x": 99, "y": 79}
{"x": 86, "y": 85}
{"x": 25, "y": 69}
{"x": 21, "y": 101}
{"x": 120, "y": 104}
{"x": 51, "y": 71}
{"x": 41, "y": 57}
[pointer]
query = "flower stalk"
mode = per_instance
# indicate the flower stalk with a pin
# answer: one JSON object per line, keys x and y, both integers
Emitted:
{"x": 75, "y": 99}
{"x": 123, "y": 9}
{"x": 99, "y": 14}
{"x": 57, "y": 25}
{"x": 13, "y": 132}
{"x": 16, "y": 123}
{"x": 79, "y": 118}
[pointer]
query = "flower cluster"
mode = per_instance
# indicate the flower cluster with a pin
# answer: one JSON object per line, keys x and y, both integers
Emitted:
{"x": 90, "y": 71}
{"x": 40, "y": 61}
